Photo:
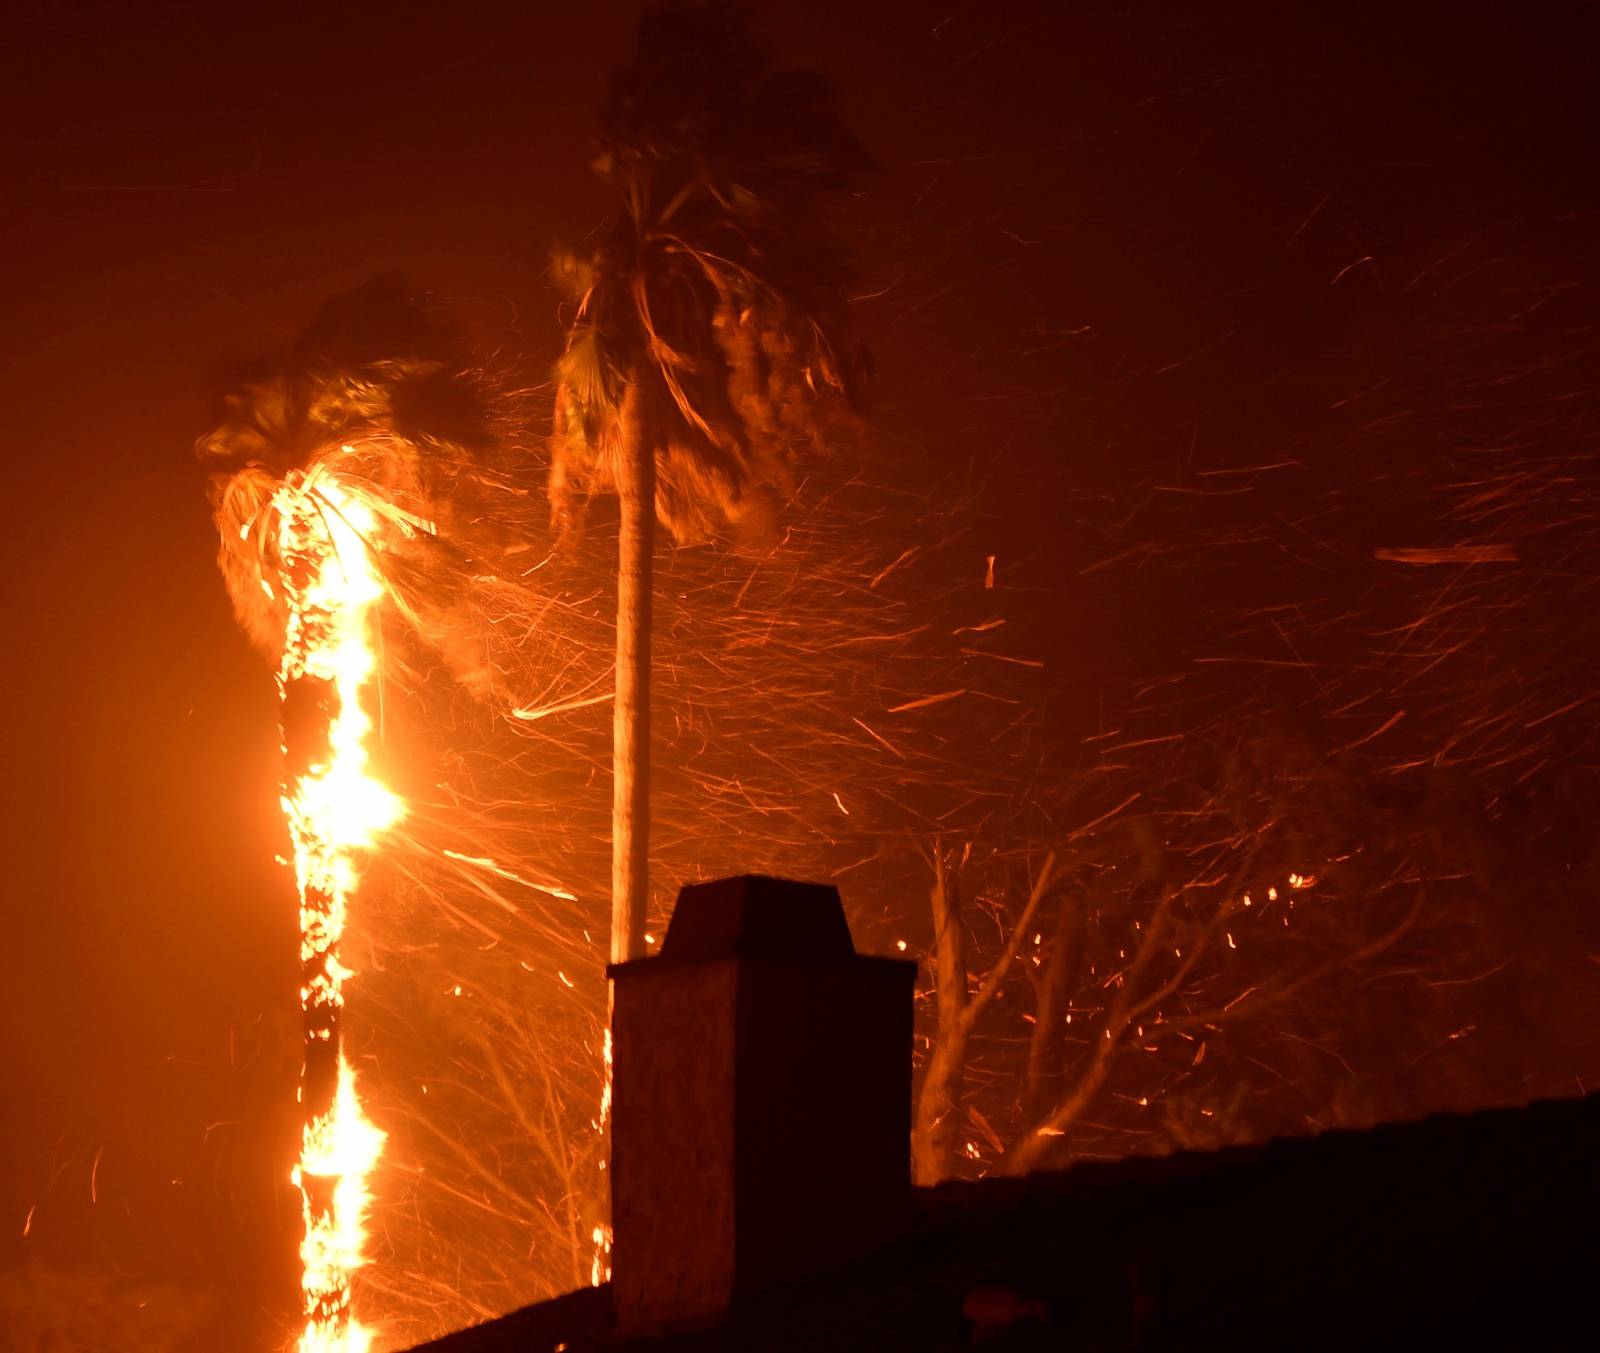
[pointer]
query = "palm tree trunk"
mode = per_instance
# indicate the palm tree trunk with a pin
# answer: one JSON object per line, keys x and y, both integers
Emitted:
{"x": 630, "y": 797}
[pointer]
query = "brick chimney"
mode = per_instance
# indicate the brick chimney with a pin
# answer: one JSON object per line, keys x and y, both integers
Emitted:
{"x": 761, "y": 1101}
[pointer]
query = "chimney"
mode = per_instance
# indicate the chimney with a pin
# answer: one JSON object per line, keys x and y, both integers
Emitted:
{"x": 761, "y": 1101}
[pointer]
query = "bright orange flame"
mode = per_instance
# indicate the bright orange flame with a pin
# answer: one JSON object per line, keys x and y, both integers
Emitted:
{"x": 601, "y": 1236}
{"x": 336, "y": 809}
{"x": 341, "y": 1147}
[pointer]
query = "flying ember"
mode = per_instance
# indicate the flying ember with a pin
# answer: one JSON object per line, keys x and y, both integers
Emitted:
{"x": 336, "y": 809}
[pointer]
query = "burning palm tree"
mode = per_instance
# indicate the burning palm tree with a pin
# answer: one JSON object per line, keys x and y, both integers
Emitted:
{"x": 322, "y": 473}
{"x": 707, "y": 346}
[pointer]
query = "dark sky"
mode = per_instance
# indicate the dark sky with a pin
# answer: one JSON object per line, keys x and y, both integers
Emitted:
{"x": 183, "y": 184}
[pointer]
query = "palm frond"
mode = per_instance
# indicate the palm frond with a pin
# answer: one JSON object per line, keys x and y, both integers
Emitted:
{"x": 377, "y": 370}
{"x": 589, "y": 381}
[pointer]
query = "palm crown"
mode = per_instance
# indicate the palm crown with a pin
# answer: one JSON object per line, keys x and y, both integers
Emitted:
{"x": 717, "y": 290}
{"x": 378, "y": 371}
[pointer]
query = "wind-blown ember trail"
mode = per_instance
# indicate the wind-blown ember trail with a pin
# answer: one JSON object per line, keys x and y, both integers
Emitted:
{"x": 336, "y": 809}
{"x": 867, "y": 694}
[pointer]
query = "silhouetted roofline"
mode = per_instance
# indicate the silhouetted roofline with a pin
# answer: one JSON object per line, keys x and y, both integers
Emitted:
{"x": 1450, "y": 1227}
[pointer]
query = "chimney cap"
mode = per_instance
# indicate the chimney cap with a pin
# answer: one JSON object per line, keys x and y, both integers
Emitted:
{"x": 755, "y": 916}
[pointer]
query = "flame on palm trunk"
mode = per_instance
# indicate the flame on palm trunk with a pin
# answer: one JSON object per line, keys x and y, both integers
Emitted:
{"x": 336, "y": 809}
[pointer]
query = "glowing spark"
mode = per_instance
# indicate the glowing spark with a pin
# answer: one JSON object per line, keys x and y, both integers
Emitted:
{"x": 889, "y": 745}
{"x": 1452, "y": 554}
{"x": 904, "y": 555}
{"x": 533, "y": 715}
{"x": 926, "y": 701}
{"x": 484, "y": 862}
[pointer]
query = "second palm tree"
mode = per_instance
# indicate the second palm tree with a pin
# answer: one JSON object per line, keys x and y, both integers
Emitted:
{"x": 707, "y": 348}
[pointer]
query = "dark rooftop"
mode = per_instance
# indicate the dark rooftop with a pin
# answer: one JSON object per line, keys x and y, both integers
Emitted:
{"x": 1466, "y": 1229}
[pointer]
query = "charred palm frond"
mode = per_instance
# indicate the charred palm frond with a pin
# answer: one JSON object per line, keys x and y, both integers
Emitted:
{"x": 718, "y": 290}
{"x": 376, "y": 392}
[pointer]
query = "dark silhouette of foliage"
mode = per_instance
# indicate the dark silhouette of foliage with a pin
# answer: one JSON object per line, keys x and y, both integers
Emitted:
{"x": 716, "y": 289}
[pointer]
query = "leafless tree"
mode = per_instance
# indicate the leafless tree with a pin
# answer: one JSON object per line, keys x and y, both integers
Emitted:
{"x": 1156, "y": 933}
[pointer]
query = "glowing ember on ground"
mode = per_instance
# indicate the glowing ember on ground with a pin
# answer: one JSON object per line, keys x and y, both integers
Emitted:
{"x": 335, "y": 809}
